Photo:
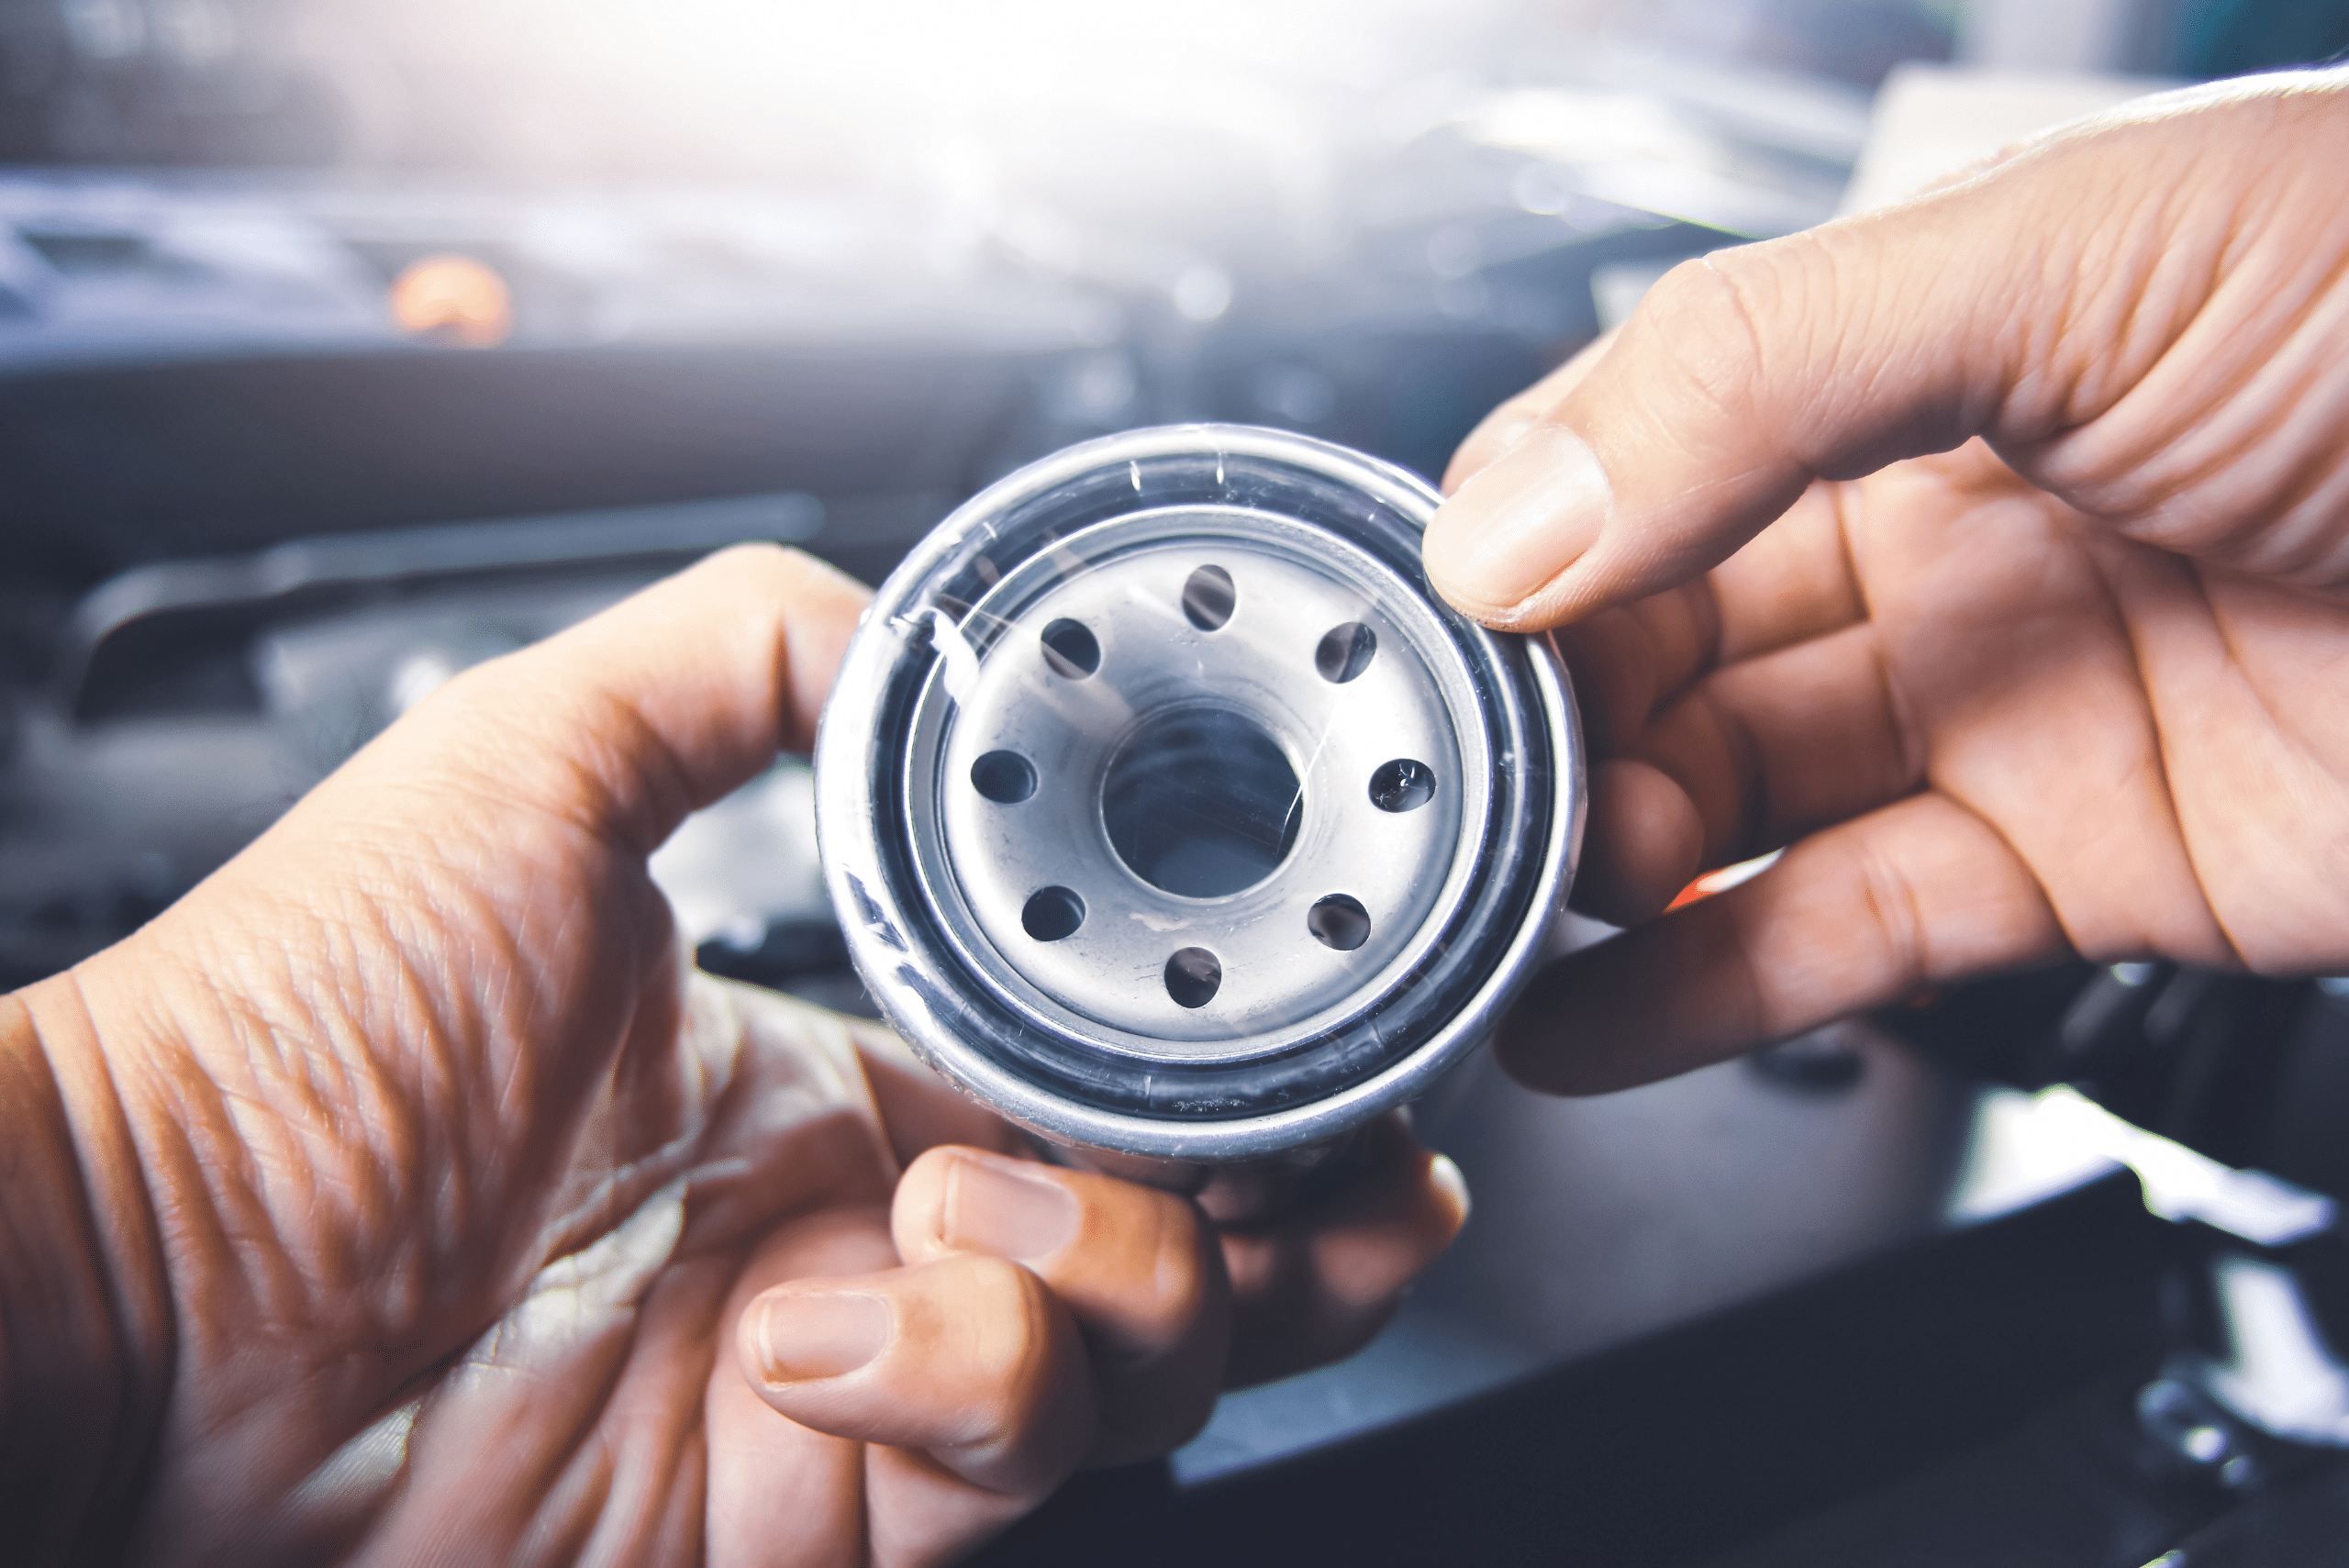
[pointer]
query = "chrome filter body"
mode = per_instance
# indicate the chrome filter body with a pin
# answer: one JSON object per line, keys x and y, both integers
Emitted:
{"x": 1169, "y": 813}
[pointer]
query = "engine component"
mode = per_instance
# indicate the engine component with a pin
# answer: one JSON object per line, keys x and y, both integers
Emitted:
{"x": 1167, "y": 811}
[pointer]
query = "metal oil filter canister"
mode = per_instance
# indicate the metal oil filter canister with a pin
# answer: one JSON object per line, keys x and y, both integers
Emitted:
{"x": 1169, "y": 813}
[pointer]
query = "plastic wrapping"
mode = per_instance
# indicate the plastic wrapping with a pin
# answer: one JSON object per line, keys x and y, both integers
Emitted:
{"x": 1166, "y": 809}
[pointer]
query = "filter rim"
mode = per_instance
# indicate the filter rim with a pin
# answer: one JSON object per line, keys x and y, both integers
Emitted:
{"x": 945, "y": 1015}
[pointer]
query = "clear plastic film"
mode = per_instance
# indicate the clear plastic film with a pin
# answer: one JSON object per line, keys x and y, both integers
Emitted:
{"x": 1167, "y": 810}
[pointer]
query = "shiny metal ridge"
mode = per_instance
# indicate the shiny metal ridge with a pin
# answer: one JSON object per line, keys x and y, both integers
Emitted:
{"x": 1168, "y": 812}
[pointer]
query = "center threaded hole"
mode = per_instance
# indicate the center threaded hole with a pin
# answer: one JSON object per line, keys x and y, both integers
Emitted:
{"x": 1201, "y": 802}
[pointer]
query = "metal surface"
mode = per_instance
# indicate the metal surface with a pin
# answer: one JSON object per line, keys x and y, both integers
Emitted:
{"x": 1226, "y": 624}
{"x": 981, "y": 860}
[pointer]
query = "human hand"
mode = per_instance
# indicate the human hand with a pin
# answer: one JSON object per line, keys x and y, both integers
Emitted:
{"x": 399, "y": 1195}
{"x": 2077, "y": 684}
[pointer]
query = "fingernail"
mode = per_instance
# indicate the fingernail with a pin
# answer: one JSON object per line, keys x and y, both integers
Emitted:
{"x": 1519, "y": 522}
{"x": 818, "y": 1334}
{"x": 999, "y": 1209}
{"x": 1447, "y": 1180}
{"x": 1501, "y": 437}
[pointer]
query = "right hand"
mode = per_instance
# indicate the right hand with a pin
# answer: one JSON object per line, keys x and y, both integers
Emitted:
{"x": 2077, "y": 684}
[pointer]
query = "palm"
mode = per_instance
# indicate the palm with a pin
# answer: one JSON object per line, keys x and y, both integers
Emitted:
{"x": 693, "y": 1164}
{"x": 1993, "y": 730}
{"x": 2158, "y": 740}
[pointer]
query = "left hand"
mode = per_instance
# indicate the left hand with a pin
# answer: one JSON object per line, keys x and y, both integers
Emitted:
{"x": 401, "y": 1195}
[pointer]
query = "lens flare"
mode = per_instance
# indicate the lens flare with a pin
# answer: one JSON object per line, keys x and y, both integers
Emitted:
{"x": 452, "y": 299}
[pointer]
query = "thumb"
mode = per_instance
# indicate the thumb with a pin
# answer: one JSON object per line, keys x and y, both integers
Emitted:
{"x": 2017, "y": 305}
{"x": 637, "y": 716}
{"x": 968, "y": 1359}
{"x": 1743, "y": 377}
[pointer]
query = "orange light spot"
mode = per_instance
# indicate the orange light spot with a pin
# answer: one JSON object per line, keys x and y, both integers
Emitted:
{"x": 453, "y": 298}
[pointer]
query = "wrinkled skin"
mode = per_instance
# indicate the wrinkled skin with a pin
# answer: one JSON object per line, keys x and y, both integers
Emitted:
{"x": 1990, "y": 550}
{"x": 398, "y": 1196}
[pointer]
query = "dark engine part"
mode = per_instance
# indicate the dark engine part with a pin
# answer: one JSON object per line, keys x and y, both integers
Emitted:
{"x": 2254, "y": 1073}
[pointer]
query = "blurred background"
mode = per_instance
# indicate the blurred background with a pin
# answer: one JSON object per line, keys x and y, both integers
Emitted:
{"x": 345, "y": 343}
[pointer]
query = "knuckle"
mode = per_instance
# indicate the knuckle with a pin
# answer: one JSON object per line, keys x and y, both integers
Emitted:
{"x": 1722, "y": 320}
{"x": 1140, "y": 1279}
{"x": 999, "y": 1334}
{"x": 1175, "y": 1291}
{"x": 1711, "y": 304}
{"x": 1701, "y": 338}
